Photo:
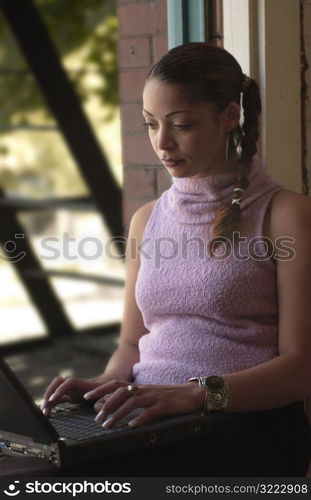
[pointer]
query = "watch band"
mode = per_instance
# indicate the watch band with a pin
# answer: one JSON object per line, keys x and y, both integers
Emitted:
{"x": 217, "y": 396}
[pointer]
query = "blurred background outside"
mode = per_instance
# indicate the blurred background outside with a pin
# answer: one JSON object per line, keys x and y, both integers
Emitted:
{"x": 36, "y": 164}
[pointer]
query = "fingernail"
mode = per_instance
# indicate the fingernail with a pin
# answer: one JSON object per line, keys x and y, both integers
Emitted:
{"x": 107, "y": 423}
{"x": 132, "y": 423}
{"x": 45, "y": 411}
{"x": 87, "y": 395}
{"x": 51, "y": 398}
{"x": 99, "y": 416}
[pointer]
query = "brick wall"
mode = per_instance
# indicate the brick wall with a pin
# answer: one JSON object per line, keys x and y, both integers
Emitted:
{"x": 142, "y": 41}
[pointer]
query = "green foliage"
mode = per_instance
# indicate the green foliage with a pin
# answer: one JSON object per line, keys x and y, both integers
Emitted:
{"x": 88, "y": 27}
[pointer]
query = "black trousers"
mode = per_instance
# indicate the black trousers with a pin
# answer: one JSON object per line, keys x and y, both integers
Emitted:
{"x": 269, "y": 443}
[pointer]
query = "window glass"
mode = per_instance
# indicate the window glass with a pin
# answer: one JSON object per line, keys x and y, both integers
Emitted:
{"x": 78, "y": 243}
{"x": 19, "y": 319}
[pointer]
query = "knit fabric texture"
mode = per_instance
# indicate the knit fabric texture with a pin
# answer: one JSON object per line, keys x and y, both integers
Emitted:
{"x": 206, "y": 315}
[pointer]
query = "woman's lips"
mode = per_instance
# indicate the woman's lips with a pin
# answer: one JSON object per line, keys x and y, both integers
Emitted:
{"x": 171, "y": 163}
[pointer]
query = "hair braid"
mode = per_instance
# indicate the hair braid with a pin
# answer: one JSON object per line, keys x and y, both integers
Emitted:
{"x": 228, "y": 218}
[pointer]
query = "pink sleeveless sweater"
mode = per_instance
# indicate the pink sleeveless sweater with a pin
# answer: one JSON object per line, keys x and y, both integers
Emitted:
{"x": 206, "y": 315}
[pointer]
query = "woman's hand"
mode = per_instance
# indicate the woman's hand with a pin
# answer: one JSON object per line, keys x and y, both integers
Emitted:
{"x": 68, "y": 389}
{"x": 154, "y": 400}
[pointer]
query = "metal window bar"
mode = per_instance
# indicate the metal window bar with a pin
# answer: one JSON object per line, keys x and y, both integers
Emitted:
{"x": 23, "y": 204}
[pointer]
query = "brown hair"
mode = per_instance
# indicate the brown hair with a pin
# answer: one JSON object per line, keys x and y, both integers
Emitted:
{"x": 209, "y": 73}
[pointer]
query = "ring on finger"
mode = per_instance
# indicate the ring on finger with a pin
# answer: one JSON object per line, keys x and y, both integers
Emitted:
{"x": 133, "y": 389}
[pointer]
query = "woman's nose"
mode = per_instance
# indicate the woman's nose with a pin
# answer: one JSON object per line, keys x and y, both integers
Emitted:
{"x": 165, "y": 140}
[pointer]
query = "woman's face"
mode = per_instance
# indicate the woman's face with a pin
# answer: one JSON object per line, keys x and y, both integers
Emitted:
{"x": 188, "y": 137}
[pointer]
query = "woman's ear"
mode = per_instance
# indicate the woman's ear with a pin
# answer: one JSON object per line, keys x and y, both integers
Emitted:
{"x": 231, "y": 117}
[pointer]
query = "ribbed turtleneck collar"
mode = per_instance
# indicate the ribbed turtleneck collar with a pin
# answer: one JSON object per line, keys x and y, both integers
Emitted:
{"x": 191, "y": 200}
{"x": 211, "y": 188}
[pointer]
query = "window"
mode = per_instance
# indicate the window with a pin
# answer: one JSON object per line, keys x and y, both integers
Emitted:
{"x": 45, "y": 192}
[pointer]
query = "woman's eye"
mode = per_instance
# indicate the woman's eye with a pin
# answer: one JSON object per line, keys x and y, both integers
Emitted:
{"x": 149, "y": 124}
{"x": 182, "y": 125}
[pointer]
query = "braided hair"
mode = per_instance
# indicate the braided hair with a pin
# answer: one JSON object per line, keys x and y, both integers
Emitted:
{"x": 209, "y": 73}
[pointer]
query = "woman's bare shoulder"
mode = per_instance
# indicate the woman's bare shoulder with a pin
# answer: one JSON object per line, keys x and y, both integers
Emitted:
{"x": 141, "y": 217}
{"x": 289, "y": 211}
{"x": 137, "y": 228}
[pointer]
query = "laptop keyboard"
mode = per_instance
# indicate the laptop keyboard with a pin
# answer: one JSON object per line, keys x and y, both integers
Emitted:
{"x": 70, "y": 424}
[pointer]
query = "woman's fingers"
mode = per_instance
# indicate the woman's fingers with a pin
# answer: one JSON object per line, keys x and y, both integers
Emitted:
{"x": 73, "y": 386}
{"x": 113, "y": 403}
{"x": 61, "y": 389}
{"x": 153, "y": 400}
{"x": 123, "y": 402}
{"x": 46, "y": 405}
{"x": 115, "y": 399}
{"x": 110, "y": 419}
{"x": 100, "y": 402}
{"x": 71, "y": 389}
{"x": 51, "y": 388}
{"x": 46, "y": 410}
{"x": 145, "y": 416}
{"x": 104, "y": 389}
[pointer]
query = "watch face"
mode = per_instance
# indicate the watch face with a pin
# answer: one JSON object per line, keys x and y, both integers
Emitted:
{"x": 214, "y": 382}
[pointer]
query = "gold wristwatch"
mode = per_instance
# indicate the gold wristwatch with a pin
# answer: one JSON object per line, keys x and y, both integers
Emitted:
{"x": 217, "y": 396}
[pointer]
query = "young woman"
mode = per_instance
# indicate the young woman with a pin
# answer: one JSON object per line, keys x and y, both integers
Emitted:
{"x": 216, "y": 288}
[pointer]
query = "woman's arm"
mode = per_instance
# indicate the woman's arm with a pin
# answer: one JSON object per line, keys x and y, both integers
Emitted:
{"x": 126, "y": 355}
{"x": 286, "y": 378}
{"x": 132, "y": 327}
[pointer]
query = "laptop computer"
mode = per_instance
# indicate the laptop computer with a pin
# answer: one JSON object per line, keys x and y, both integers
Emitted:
{"x": 70, "y": 435}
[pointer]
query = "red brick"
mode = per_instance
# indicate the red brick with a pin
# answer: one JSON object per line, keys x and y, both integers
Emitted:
{"x": 143, "y": 18}
{"x": 137, "y": 150}
{"x": 139, "y": 182}
{"x": 131, "y": 117}
{"x": 138, "y": 21}
{"x": 159, "y": 46}
{"x": 134, "y": 52}
{"x": 131, "y": 84}
{"x": 163, "y": 180}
